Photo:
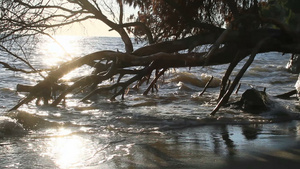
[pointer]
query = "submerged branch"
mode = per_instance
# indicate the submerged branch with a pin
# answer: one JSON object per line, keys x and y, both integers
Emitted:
{"x": 225, "y": 98}
{"x": 287, "y": 95}
{"x": 206, "y": 86}
{"x": 154, "y": 81}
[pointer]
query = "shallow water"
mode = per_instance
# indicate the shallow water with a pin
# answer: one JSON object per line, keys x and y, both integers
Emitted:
{"x": 170, "y": 128}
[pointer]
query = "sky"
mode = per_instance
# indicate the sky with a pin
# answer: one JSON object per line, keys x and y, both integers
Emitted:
{"x": 87, "y": 28}
{"x": 93, "y": 27}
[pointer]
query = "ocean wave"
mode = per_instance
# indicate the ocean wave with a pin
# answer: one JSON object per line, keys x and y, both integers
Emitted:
{"x": 192, "y": 79}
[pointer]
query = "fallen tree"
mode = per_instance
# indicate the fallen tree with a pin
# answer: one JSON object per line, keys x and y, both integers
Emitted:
{"x": 247, "y": 34}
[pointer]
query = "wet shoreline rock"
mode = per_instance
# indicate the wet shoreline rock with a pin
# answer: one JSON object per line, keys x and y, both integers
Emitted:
{"x": 293, "y": 65}
{"x": 253, "y": 101}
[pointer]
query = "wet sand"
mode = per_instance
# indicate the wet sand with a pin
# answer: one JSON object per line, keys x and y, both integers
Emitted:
{"x": 275, "y": 147}
{"x": 149, "y": 156}
{"x": 288, "y": 158}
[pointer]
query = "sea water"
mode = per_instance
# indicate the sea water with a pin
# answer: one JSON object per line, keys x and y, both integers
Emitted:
{"x": 170, "y": 127}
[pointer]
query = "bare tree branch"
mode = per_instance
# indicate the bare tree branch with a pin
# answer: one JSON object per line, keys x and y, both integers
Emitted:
{"x": 9, "y": 67}
{"x": 19, "y": 58}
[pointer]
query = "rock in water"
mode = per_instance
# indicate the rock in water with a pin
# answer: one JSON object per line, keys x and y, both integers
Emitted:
{"x": 297, "y": 85}
{"x": 293, "y": 65}
{"x": 254, "y": 101}
{"x": 9, "y": 126}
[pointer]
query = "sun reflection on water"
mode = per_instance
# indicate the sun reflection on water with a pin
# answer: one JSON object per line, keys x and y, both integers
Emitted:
{"x": 60, "y": 49}
{"x": 67, "y": 150}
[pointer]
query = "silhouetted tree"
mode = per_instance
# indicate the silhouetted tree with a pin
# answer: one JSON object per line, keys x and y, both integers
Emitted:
{"x": 234, "y": 29}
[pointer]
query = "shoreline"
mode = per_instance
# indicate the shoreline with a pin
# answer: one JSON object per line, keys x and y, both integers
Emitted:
{"x": 273, "y": 148}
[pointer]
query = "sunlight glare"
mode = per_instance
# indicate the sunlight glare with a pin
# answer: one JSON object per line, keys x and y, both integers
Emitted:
{"x": 60, "y": 50}
{"x": 67, "y": 150}
{"x": 77, "y": 73}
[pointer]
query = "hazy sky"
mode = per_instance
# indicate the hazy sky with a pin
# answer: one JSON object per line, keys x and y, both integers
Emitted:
{"x": 87, "y": 28}
{"x": 93, "y": 27}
